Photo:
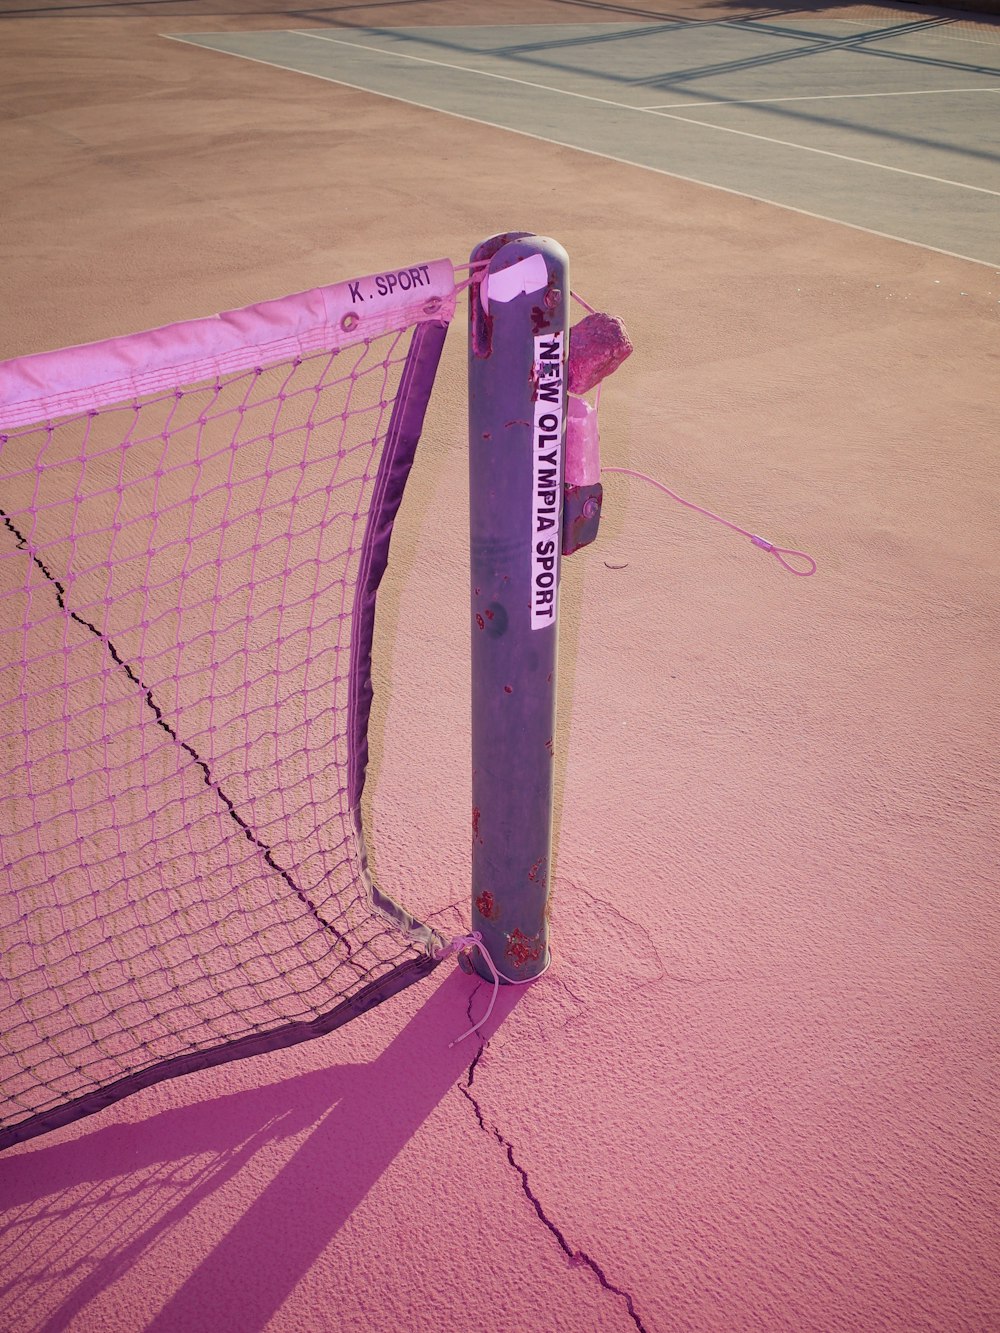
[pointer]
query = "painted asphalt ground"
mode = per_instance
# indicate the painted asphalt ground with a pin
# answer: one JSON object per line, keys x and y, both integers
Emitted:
{"x": 758, "y": 1088}
{"x": 892, "y": 127}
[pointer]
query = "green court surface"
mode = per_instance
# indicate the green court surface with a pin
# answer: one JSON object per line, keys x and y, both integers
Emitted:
{"x": 891, "y": 125}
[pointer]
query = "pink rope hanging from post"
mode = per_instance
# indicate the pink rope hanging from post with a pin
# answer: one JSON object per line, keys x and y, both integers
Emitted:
{"x": 779, "y": 552}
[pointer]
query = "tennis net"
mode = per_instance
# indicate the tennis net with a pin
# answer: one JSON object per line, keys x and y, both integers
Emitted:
{"x": 194, "y": 522}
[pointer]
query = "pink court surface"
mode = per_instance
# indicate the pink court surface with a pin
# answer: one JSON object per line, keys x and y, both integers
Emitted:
{"x": 758, "y": 1088}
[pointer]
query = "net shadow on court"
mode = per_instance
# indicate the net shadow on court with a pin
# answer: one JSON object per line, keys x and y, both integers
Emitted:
{"x": 142, "y": 1180}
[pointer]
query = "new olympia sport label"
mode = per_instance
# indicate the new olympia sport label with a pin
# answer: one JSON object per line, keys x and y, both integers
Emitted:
{"x": 547, "y": 469}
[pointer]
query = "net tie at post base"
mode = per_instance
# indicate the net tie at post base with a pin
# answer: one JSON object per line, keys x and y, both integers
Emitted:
{"x": 465, "y": 944}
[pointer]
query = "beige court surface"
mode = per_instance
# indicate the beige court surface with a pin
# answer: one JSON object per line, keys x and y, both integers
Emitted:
{"x": 759, "y": 1087}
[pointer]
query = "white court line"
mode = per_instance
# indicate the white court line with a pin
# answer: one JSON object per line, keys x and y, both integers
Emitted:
{"x": 826, "y": 152}
{"x": 591, "y": 152}
{"x": 911, "y": 27}
{"x": 818, "y": 97}
{"x": 914, "y": 27}
{"x": 646, "y": 111}
{"x": 463, "y": 69}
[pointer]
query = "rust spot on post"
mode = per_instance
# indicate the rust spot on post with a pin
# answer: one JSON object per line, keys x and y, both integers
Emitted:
{"x": 486, "y": 905}
{"x": 522, "y": 948}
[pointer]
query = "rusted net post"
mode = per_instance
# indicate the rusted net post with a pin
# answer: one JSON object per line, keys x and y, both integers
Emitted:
{"x": 517, "y": 413}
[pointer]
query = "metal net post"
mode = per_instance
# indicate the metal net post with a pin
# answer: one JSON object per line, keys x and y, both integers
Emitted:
{"x": 517, "y": 413}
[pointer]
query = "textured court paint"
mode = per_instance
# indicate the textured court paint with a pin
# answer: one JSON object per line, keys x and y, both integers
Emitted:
{"x": 764, "y": 1092}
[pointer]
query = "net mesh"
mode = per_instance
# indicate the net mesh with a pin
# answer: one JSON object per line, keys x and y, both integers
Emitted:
{"x": 184, "y": 627}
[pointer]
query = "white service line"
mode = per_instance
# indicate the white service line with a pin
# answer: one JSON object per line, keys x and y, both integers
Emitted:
{"x": 462, "y": 69}
{"x": 818, "y": 97}
{"x": 591, "y": 152}
{"x": 826, "y": 152}
{"x": 644, "y": 111}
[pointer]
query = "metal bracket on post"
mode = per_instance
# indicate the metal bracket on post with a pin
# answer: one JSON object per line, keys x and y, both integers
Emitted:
{"x": 517, "y": 419}
{"x": 581, "y": 516}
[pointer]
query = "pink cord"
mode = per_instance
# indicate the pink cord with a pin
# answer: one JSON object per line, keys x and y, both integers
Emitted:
{"x": 466, "y": 943}
{"x": 779, "y": 552}
{"x": 474, "y": 274}
{"x": 581, "y": 301}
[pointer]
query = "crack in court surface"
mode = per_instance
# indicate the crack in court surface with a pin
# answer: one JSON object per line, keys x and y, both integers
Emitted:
{"x": 577, "y": 1258}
